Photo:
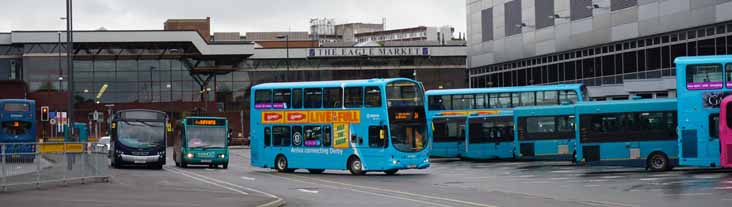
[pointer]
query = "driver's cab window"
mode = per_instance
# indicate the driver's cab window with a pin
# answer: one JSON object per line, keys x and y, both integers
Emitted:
{"x": 377, "y": 137}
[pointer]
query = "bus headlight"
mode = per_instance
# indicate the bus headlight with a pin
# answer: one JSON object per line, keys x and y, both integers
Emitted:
{"x": 189, "y": 155}
{"x": 222, "y": 156}
{"x": 395, "y": 162}
{"x": 427, "y": 160}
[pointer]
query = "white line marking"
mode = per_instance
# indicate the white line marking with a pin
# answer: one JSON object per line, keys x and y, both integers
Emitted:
{"x": 728, "y": 182}
{"x": 277, "y": 199}
{"x": 209, "y": 182}
{"x": 611, "y": 177}
{"x": 308, "y": 191}
{"x": 693, "y": 194}
{"x": 559, "y": 178}
{"x": 562, "y": 171}
{"x": 400, "y": 192}
{"x": 592, "y": 186}
{"x": 361, "y": 191}
{"x": 525, "y": 176}
{"x": 649, "y": 179}
{"x": 597, "y": 181}
{"x": 724, "y": 188}
{"x": 247, "y": 178}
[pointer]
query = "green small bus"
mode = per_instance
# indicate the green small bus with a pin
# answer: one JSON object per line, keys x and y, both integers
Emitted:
{"x": 202, "y": 141}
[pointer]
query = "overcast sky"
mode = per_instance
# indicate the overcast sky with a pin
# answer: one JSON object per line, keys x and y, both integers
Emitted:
{"x": 229, "y": 15}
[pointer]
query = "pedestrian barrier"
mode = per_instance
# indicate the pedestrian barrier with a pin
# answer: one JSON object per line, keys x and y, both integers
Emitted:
{"x": 32, "y": 164}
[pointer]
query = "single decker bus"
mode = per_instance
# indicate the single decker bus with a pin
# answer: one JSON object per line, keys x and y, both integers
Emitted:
{"x": 355, "y": 125}
{"x": 202, "y": 141}
{"x": 138, "y": 138}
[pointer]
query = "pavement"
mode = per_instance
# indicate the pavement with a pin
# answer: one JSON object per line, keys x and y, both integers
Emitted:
{"x": 446, "y": 183}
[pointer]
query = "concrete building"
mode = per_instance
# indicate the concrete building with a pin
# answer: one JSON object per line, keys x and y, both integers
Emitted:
{"x": 348, "y": 32}
{"x": 421, "y": 33}
{"x": 273, "y": 36}
{"x": 617, "y": 48}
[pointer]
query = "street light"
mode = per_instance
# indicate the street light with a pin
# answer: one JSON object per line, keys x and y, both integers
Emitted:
{"x": 287, "y": 51}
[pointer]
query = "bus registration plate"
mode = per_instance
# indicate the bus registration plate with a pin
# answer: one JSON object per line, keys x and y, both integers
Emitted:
{"x": 139, "y": 161}
{"x": 412, "y": 166}
{"x": 206, "y": 161}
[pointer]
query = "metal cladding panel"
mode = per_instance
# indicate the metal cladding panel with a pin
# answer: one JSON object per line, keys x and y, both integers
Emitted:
{"x": 513, "y": 17}
{"x": 487, "y": 24}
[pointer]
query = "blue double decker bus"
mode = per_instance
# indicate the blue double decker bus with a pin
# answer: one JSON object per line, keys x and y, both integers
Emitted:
{"x": 355, "y": 125}
{"x": 18, "y": 122}
{"x": 546, "y": 132}
{"x": 449, "y": 109}
{"x": 702, "y": 82}
{"x": 630, "y": 133}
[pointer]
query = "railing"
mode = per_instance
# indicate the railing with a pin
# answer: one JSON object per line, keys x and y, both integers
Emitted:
{"x": 32, "y": 164}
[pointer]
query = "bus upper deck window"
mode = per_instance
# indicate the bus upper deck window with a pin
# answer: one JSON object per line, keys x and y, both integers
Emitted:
{"x": 354, "y": 97}
{"x": 373, "y": 97}
{"x": 332, "y": 98}
{"x": 704, "y": 77}
{"x": 313, "y": 98}
{"x": 728, "y": 70}
{"x": 263, "y": 99}
{"x": 281, "y": 99}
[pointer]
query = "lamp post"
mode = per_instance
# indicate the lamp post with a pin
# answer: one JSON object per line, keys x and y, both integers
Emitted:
{"x": 70, "y": 63}
{"x": 287, "y": 57}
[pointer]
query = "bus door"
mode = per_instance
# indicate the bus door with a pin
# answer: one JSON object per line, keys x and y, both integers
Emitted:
{"x": 501, "y": 131}
{"x": 725, "y": 132}
{"x": 448, "y": 136}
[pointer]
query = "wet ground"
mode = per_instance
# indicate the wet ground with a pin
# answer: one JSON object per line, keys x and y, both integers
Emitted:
{"x": 446, "y": 183}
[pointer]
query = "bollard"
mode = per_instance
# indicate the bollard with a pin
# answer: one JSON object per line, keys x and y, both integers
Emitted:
{"x": 84, "y": 162}
{"x": 38, "y": 166}
{"x": 65, "y": 156}
{"x": 2, "y": 154}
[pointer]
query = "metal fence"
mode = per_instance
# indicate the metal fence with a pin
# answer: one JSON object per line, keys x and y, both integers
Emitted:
{"x": 34, "y": 164}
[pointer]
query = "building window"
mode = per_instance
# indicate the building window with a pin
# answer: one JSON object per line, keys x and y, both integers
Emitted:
{"x": 513, "y": 18}
{"x": 487, "y": 24}
{"x": 579, "y": 9}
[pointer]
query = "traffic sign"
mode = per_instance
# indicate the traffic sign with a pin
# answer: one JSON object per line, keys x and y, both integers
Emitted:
{"x": 52, "y": 121}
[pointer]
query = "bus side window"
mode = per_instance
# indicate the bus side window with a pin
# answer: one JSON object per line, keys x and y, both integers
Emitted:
{"x": 377, "y": 137}
{"x": 281, "y": 99}
{"x": 296, "y": 98}
{"x": 313, "y": 98}
{"x": 263, "y": 99}
{"x": 354, "y": 97}
{"x": 267, "y": 139}
{"x": 312, "y": 136}
{"x": 327, "y": 136}
{"x": 714, "y": 126}
{"x": 332, "y": 98}
{"x": 373, "y": 97}
{"x": 281, "y": 136}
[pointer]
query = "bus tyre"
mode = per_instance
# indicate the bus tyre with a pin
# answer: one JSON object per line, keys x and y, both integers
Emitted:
{"x": 183, "y": 163}
{"x": 225, "y": 165}
{"x": 391, "y": 172}
{"x": 355, "y": 166}
{"x": 658, "y": 162}
{"x": 281, "y": 164}
{"x": 316, "y": 171}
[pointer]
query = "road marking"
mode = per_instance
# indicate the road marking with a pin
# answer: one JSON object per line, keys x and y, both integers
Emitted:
{"x": 592, "y": 186}
{"x": 400, "y": 192}
{"x": 209, "y": 182}
{"x": 559, "y": 178}
{"x": 611, "y": 177}
{"x": 277, "y": 199}
{"x": 649, "y": 179}
{"x": 693, "y": 194}
{"x": 728, "y": 182}
{"x": 724, "y": 188}
{"x": 525, "y": 176}
{"x": 597, "y": 181}
{"x": 307, "y": 191}
{"x": 247, "y": 178}
{"x": 708, "y": 176}
{"x": 562, "y": 171}
{"x": 361, "y": 191}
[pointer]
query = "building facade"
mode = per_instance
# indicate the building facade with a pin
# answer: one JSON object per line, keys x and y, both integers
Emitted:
{"x": 182, "y": 73}
{"x": 618, "y": 48}
{"x": 421, "y": 33}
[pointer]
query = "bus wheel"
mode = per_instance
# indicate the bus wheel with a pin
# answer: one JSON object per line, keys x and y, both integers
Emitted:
{"x": 316, "y": 171}
{"x": 183, "y": 163}
{"x": 658, "y": 162}
{"x": 281, "y": 164}
{"x": 225, "y": 165}
{"x": 355, "y": 166}
{"x": 391, "y": 172}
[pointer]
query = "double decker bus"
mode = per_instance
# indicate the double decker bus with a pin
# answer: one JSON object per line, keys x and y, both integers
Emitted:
{"x": 202, "y": 141}
{"x": 702, "y": 82}
{"x": 18, "y": 126}
{"x": 355, "y": 125}
{"x": 449, "y": 108}
{"x": 546, "y": 132}
{"x": 630, "y": 133}
{"x": 138, "y": 138}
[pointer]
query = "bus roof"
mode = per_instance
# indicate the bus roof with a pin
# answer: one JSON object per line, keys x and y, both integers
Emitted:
{"x": 325, "y": 84}
{"x": 505, "y": 89}
{"x": 703, "y": 59}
